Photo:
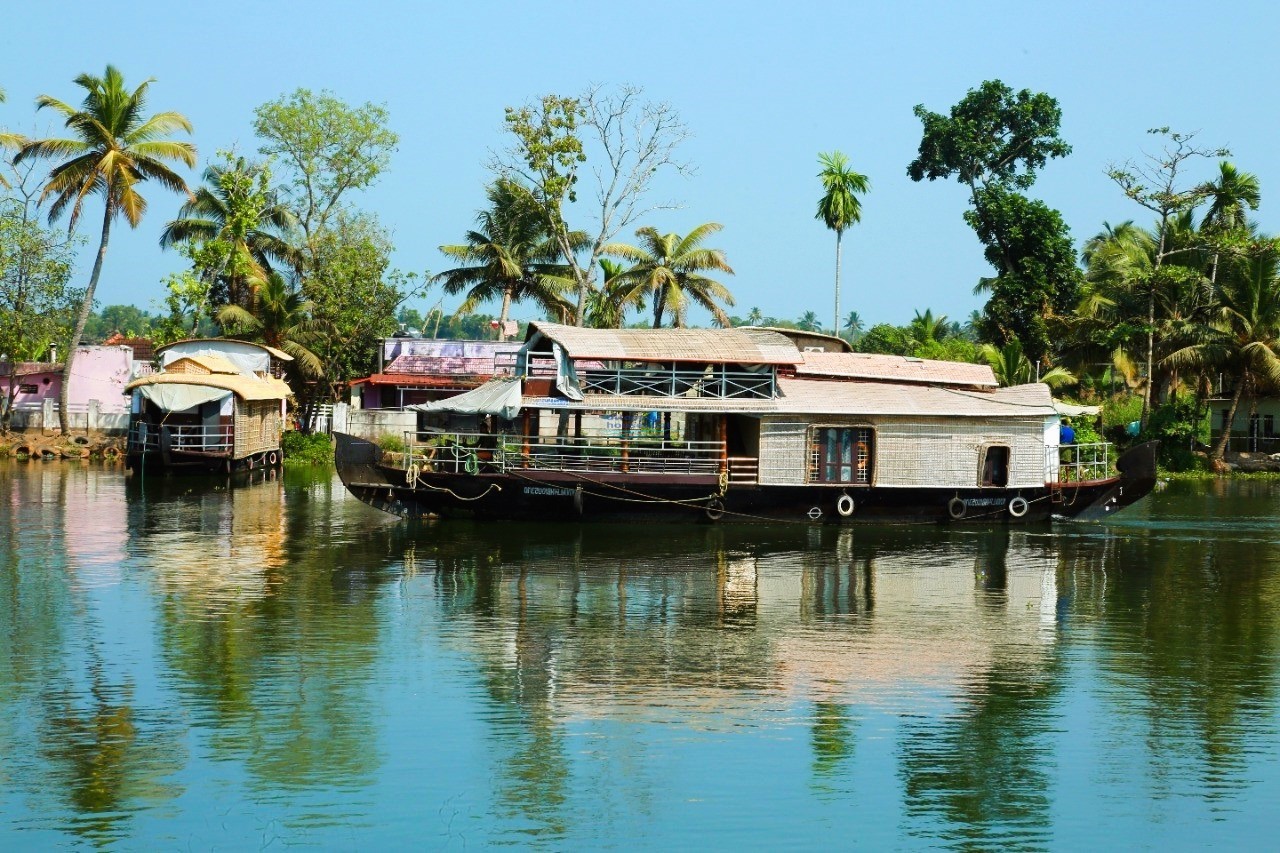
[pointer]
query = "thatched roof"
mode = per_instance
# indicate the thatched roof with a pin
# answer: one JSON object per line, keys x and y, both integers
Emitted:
{"x": 279, "y": 355}
{"x": 245, "y": 386}
{"x": 742, "y": 345}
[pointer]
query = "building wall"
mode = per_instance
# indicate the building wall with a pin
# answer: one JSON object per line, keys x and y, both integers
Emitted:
{"x": 1265, "y": 407}
{"x": 912, "y": 452}
{"x": 100, "y": 373}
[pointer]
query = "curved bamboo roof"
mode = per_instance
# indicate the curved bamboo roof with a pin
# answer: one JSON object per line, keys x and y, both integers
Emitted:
{"x": 280, "y": 355}
{"x": 244, "y": 386}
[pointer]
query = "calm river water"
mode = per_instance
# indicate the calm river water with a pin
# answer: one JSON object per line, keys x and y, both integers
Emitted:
{"x": 188, "y": 665}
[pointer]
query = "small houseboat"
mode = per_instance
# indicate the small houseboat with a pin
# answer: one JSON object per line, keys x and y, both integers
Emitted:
{"x": 214, "y": 404}
{"x": 740, "y": 424}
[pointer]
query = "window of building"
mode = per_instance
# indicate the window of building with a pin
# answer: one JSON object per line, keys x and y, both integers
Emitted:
{"x": 995, "y": 466}
{"x": 28, "y": 389}
{"x": 1269, "y": 426}
{"x": 843, "y": 455}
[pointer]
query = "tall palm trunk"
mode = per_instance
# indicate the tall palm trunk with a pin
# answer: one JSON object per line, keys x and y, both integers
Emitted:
{"x": 836, "y": 327}
{"x": 659, "y": 305}
{"x": 1220, "y": 448}
{"x": 82, "y": 318}
{"x": 502, "y": 315}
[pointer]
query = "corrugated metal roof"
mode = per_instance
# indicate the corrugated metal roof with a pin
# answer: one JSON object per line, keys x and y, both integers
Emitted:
{"x": 441, "y": 365}
{"x": 896, "y": 368}
{"x": 246, "y": 387}
{"x": 742, "y": 345}
{"x": 818, "y": 397}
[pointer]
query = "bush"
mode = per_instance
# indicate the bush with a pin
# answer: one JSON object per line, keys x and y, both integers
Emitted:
{"x": 391, "y": 443}
{"x": 1181, "y": 427}
{"x": 303, "y": 449}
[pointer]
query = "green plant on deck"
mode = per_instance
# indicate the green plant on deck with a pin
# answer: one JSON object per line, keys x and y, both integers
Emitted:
{"x": 306, "y": 449}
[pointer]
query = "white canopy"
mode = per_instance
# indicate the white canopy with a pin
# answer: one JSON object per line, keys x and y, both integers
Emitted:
{"x": 499, "y": 397}
{"x": 178, "y": 398}
{"x": 1071, "y": 410}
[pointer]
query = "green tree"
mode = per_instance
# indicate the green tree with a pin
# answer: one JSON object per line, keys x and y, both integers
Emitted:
{"x": 926, "y": 327}
{"x": 839, "y": 208}
{"x": 755, "y": 317}
{"x": 113, "y": 149}
{"x": 607, "y": 305}
{"x": 127, "y": 320}
{"x": 37, "y": 307}
{"x": 993, "y": 142}
{"x": 670, "y": 268}
{"x": 1157, "y": 183}
{"x": 1012, "y": 367}
{"x": 278, "y": 316}
{"x": 630, "y": 141}
{"x": 1229, "y": 197}
{"x": 187, "y": 308}
{"x": 854, "y": 326}
{"x": 1245, "y": 339}
{"x": 809, "y": 322}
{"x": 509, "y": 256}
{"x": 237, "y": 227}
{"x": 8, "y": 142}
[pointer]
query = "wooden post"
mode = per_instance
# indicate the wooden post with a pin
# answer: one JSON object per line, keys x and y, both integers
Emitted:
{"x": 724, "y": 443}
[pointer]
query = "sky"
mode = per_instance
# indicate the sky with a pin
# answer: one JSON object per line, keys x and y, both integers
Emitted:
{"x": 763, "y": 88}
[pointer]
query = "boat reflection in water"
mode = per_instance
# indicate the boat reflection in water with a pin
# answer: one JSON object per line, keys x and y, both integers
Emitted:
{"x": 785, "y": 629}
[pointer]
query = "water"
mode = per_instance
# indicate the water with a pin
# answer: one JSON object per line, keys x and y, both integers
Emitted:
{"x": 187, "y": 665}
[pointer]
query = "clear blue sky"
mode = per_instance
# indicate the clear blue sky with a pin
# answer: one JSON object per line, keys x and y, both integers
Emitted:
{"x": 763, "y": 87}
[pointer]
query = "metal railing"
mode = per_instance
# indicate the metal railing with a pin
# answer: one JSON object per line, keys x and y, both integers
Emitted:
{"x": 1077, "y": 463}
{"x": 1253, "y": 444}
{"x": 655, "y": 381}
{"x": 474, "y": 453}
{"x": 145, "y": 438}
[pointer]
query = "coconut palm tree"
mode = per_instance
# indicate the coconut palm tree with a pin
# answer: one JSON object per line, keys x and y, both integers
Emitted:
{"x": 113, "y": 148}
{"x": 925, "y": 327}
{"x": 854, "y": 325}
{"x": 237, "y": 208}
{"x": 1012, "y": 367}
{"x": 809, "y": 322}
{"x": 755, "y": 317}
{"x": 8, "y": 141}
{"x": 279, "y": 316}
{"x": 670, "y": 268}
{"x": 839, "y": 208}
{"x": 1245, "y": 337}
{"x": 1229, "y": 196}
{"x": 509, "y": 256}
{"x": 607, "y": 306}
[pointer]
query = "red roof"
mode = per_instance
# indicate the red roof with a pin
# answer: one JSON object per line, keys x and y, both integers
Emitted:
{"x": 143, "y": 348}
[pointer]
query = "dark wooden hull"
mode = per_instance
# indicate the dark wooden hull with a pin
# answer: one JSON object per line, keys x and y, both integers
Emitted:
{"x": 565, "y": 496}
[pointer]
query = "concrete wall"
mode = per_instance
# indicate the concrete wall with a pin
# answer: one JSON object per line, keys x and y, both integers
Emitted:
{"x": 99, "y": 373}
{"x": 90, "y": 417}
{"x": 372, "y": 424}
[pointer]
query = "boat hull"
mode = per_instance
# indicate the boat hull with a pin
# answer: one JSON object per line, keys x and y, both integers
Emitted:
{"x": 566, "y": 496}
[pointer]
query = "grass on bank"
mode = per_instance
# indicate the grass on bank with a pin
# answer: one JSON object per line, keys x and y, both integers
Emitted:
{"x": 307, "y": 449}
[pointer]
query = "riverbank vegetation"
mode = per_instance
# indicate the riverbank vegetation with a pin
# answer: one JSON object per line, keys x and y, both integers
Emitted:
{"x": 1152, "y": 318}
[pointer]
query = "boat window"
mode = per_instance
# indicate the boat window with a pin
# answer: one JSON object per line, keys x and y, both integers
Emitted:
{"x": 842, "y": 455}
{"x": 995, "y": 466}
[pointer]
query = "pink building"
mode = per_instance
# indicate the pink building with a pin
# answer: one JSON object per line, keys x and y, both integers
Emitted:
{"x": 99, "y": 373}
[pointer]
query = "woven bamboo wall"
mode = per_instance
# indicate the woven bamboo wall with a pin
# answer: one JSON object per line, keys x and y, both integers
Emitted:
{"x": 932, "y": 452}
{"x": 257, "y": 426}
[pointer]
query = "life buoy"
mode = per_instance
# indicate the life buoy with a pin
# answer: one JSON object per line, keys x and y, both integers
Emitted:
{"x": 1018, "y": 507}
{"x": 956, "y": 508}
{"x": 715, "y": 509}
{"x": 815, "y": 512}
{"x": 271, "y": 458}
{"x": 844, "y": 506}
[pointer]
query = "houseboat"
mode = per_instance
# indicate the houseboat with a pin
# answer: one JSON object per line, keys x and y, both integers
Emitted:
{"x": 740, "y": 424}
{"x": 217, "y": 405}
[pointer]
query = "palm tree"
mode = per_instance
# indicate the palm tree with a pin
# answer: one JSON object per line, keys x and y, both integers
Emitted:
{"x": 755, "y": 317}
{"x": 607, "y": 306}
{"x": 926, "y": 327}
{"x": 1229, "y": 196}
{"x": 1245, "y": 338}
{"x": 670, "y": 267}
{"x": 510, "y": 256}
{"x": 279, "y": 316}
{"x": 854, "y": 325}
{"x": 839, "y": 207}
{"x": 809, "y": 322}
{"x": 8, "y": 141}
{"x": 1012, "y": 367}
{"x": 113, "y": 149}
{"x": 238, "y": 209}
